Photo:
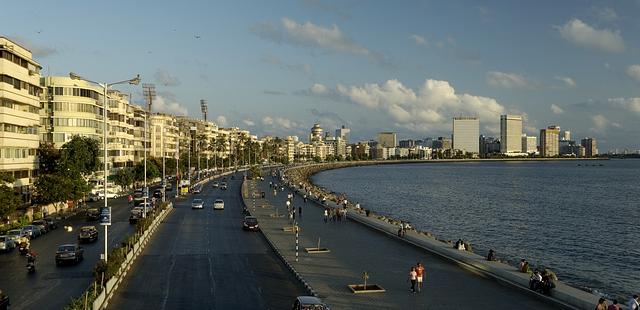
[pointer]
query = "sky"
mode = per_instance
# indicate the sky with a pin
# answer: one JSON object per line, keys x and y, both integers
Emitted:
{"x": 278, "y": 67}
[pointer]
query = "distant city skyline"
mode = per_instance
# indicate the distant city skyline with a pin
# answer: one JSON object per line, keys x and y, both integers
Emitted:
{"x": 275, "y": 68}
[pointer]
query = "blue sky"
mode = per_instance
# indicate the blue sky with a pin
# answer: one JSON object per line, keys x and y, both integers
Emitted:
{"x": 276, "y": 67}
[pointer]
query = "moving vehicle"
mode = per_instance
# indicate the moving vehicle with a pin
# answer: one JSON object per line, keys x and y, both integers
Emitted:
{"x": 309, "y": 303}
{"x": 69, "y": 253}
{"x": 44, "y": 227}
{"x": 223, "y": 185}
{"x": 23, "y": 248}
{"x": 31, "y": 263}
{"x": 250, "y": 223}
{"x": 93, "y": 214}
{"x": 51, "y": 223}
{"x": 215, "y": 184}
{"x": 88, "y": 234}
{"x": 197, "y": 204}
{"x": 197, "y": 189}
{"x": 17, "y": 235}
{"x": 136, "y": 214}
{"x": 157, "y": 193}
{"x": 7, "y": 243}
{"x": 218, "y": 204}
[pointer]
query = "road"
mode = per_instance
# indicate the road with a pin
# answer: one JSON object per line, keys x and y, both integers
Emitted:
{"x": 52, "y": 287}
{"x": 202, "y": 259}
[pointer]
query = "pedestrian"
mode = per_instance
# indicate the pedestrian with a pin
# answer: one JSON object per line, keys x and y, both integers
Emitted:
{"x": 492, "y": 255}
{"x": 305, "y": 198}
{"x": 614, "y": 305}
{"x": 326, "y": 215}
{"x": 413, "y": 275}
{"x": 419, "y": 275}
{"x": 602, "y": 304}
{"x": 633, "y": 303}
{"x": 299, "y": 211}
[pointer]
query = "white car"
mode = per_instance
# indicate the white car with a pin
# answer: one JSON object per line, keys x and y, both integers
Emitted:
{"x": 110, "y": 195}
{"x": 197, "y": 204}
{"x": 218, "y": 204}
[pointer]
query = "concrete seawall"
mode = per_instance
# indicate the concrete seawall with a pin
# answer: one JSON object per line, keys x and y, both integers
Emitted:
{"x": 563, "y": 295}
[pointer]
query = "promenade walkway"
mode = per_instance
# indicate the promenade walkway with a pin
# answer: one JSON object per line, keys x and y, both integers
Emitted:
{"x": 356, "y": 248}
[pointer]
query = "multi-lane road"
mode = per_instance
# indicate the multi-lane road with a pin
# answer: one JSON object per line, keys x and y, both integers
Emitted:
{"x": 52, "y": 287}
{"x": 202, "y": 259}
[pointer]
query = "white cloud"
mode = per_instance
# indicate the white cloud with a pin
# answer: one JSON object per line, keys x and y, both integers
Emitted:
{"x": 568, "y": 82}
{"x": 319, "y": 89}
{"x": 165, "y": 78}
{"x": 419, "y": 40}
{"x": 304, "y": 68}
{"x": 267, "y": 120}
{"x": 249, "y": 122}
{"x": 634, "y": 72}
{"x": 312, "y": 35}
{"x": 580, "y": 33}
{"x": 606, "y": 14}
{"x": 280, "y": 122}
{"x": 428, "y": 108}
{"x": 221, "y": 121}
{"x": 168, "y": 104}
{"x": 38, "y": 50}
{"x": 506, "y": 80}
{"x": 629, "y": 104}
{"x": 600, "y": 123}
{"x": 556, "y": 109}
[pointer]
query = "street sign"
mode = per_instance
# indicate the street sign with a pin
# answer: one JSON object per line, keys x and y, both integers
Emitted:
{"x": 105, "y": 216}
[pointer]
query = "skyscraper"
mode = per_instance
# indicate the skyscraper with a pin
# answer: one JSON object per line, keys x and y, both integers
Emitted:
{"x": 387, "y": 139}
{"x": 466, "y": 133}
{"x": 590, "y": 147}
{"x": 343, "y": 133}
{"x": 529, "y": 144}
{"x": 566, "y": 135}
{"x": 549, "y": 145}
{"x": 510, "y": 134}
{"x": 316, "y": 133}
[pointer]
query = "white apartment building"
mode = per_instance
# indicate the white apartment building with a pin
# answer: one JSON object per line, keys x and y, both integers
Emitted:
{"x": 164, "y": 135}
{"x": 20, "y": 93}
{"x": 549, "y": 144}
{"x": 510, "y": 134}
{"x": 387, "y": 139}
{"x": 466, "y": 134}
{"x": 529, "y": 144}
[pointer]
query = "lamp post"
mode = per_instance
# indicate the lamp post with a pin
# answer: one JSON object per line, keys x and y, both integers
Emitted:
{"x": 164, "y": 179}
{"x": 105, "y": 86}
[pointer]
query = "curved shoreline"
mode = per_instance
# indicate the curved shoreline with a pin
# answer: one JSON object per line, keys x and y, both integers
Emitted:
{"x": 301, "y": 176}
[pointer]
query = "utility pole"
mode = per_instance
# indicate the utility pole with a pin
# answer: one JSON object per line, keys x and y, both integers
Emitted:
{"x": 149, "y": 92}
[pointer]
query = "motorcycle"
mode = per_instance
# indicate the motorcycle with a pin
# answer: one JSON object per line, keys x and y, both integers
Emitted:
{"x": 31, "y": 263}
{"x": 23, "y": 248}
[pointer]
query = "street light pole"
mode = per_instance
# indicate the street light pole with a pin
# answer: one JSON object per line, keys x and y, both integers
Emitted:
{"x": 105, "y": 86}
{"x": 164, "y": 179}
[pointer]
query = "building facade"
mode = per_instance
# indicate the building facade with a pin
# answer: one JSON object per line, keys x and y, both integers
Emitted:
{"x": 387, "y": 139}
{"x": 466, "y": 132}
{"x": 549, "y": 141}
{"x": 20, "y": 93}
{"x": 529, "y": 144}
{"x": 590, "y": 147}
{"x": 510, "y": 134}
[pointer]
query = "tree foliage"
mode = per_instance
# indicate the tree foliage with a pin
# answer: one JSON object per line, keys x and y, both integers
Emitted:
{"x": 152, "y": 171}
{"x": 124, "y": 177}
{"x": 81, "y": 154}
{"x": 9, "y": 198}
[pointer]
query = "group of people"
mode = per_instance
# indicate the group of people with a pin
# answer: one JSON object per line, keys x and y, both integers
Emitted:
{"x": 634, "y": 304}
{"x": 404, "y": 226}
{"x": 460, "y": 245}
{"x": 335, "y": 214}
{"x": 542, "y": 282}
{"x": 416, "y": 277}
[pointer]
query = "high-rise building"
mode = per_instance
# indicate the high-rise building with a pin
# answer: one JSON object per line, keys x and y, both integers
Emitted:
{"x": 387, "y": 139}
{"x": 316, "y": 133}
{"x": 407, "y": 143}
{"x": 549, "y": 145}
{"x": 343, "y": 133}
{"x": 466, "y": 132}
{"x": 19, "y": 114}
{"x": 566, "y": 136}
{"x": 489, "y": 146}
{"x": 510, "y": 134}
{"x": 529, "y": 144}
{"x": 590, "y": 147}
{"x": 441, "y": 143}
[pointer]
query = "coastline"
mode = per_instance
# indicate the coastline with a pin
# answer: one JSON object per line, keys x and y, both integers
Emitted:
{"x": 300, "y": 177}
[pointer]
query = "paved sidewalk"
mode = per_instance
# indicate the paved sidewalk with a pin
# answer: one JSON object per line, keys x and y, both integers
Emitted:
{"x": 356, "y": 248}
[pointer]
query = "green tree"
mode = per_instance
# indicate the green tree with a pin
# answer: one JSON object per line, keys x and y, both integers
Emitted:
{"x": 9, "y": 198}
{"x": 48, "y": 158}
{"x": 152, "y": 171}
{"x": 124, "y": 178}
{"x": 52, "y": 188}
{"x": 81, "y": 154}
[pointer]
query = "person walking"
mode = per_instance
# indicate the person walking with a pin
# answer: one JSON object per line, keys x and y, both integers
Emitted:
{"x": 300, "y": 212}
{"x": 326, "y": 214}
{"x": 413, "y": 275}
{"x": 419, "y": 275}
{"x": 633, "y": 303}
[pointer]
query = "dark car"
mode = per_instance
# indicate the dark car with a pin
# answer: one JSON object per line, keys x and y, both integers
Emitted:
{"x": 309, "y": 303}
{"x": 44, "y": 226}
{"x": 88, "y": 234}
{"x": 69, "y": 253}
{"x": 250, "y": 223}
{"x": 169, "y": 187}
{"x": 93, "y": 214}
{"x": 4, "y": 301}
{"x": 223, "y": 185}
{"x": 157, "y": 193}
{"x": 51, "y": 223}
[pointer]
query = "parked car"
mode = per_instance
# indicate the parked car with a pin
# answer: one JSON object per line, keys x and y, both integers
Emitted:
{"x": 218, "y": 204}
{"x": 51, "y": 223}
{"x": 4, "y": 301}
{"x": 32, "y": 230}
{"x": 215, "y": 184}
{"x": 69, "y": 253}
{"x": 88, "y": 234}
{"x": 197, "y": 204}
{"x": 17, "y": 234}
{"x": 93, "y": 214}
{"x": 169, "y": 187}
{"x": 136, "y": 214}
{"x": 7, "y": 243}
{"x": 250, "y": 223}
{"x": 42, "y": 224}
{"x": 223, "y": 185}
{"x": 157, "y": 193}
{"x": 309, "y": 303}
{"x": 110, "y": 195}
{"x": 93, "y": 197}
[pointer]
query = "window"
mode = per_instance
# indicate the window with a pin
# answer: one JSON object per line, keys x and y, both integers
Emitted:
{"x": 58, "y": 91}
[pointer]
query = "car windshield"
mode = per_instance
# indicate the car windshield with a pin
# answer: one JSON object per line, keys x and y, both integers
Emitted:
{"x": 15, "y": 232}
{"x": 251, "y": 220}
{"x": 66, "y": 248}
{"x": 197, "y": 201}
{"x": 219, "y": 201}
{"x": 86, "y": 230}
{"x": 38, "y": 222}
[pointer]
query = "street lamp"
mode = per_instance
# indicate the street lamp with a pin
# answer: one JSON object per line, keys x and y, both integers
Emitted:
{"x": 105, "y": 86}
